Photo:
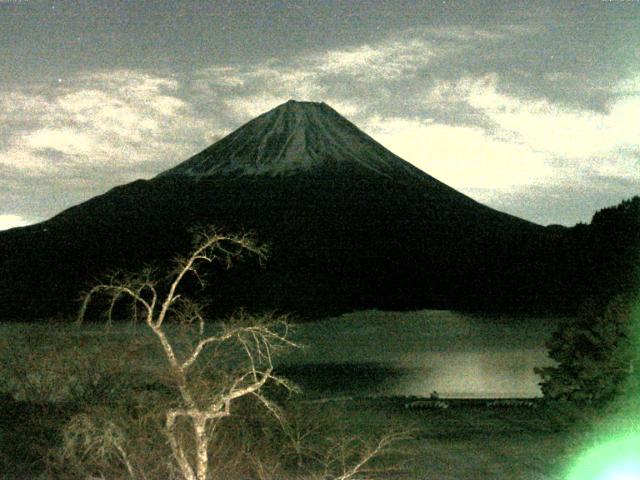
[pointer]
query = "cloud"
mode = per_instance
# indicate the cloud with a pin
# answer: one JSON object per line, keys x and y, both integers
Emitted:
{"x": 389, "y": 60}
{"x": 66, "y": 144}
{"x": 121, "y": 119}
{"x": 237, "y": 94}
{"x": 250, "y": 106}
{"x": 554, "y": 129}
{"x": 463, "y": 157}
{"x": 467, "y": 33}
{"x": 340, "y": 77}
{"x": 65, "y": 140}
{"x": 628, "y": 86}
{"x": 572, "y": 140}
{"x": 10, "y": 221}
{"x": 253, "y": 105}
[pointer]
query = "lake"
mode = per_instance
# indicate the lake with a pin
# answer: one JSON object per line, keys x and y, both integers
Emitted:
{"x": 416, "y": 353}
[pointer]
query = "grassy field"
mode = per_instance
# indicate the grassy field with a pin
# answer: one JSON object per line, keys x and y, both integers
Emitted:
{"x": 463, "y": 442}
{"x": 51, "y": 372}
{"x": 470, "y": 441}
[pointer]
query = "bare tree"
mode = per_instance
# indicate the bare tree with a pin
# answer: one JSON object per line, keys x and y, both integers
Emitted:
{"x": 324, "y": 451}
{"x": 240, "y": 363}
{"x": 257, "y": 338}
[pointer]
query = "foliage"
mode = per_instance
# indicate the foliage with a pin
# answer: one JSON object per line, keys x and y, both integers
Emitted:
{"x": 612, "y": 263}
{"x": 594, "y": 354}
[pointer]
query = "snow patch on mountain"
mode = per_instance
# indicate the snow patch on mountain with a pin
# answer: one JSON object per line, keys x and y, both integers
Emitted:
{"x": 293, "y": 137}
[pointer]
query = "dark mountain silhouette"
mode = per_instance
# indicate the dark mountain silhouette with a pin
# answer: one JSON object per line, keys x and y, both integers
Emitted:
{"x": 350, "y": 226}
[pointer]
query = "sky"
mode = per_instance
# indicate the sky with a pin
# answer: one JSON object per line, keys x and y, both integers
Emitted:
{"x": 532, "y": 108}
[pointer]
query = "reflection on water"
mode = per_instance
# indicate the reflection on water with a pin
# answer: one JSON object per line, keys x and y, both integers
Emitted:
{"x": 416, "y": 353}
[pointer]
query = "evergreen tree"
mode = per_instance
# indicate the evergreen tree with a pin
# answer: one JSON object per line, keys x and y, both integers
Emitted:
{"x": 594, "y": 353}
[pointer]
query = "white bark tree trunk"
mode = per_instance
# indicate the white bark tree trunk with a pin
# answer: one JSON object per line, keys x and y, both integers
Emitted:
{"x": 202, "y": 458}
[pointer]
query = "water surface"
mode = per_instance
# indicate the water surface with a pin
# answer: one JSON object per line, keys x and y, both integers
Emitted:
{"x": 416, "y": 353}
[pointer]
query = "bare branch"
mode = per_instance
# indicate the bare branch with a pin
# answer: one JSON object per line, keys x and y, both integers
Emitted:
{"x": 368, "y": 453}
{"x": 256, "y": 338}
{"x": 196, "y": 352}
{"x": 251, "y": 388}
{"x": 115, "y": 290}
{"x": 209, "y": 245}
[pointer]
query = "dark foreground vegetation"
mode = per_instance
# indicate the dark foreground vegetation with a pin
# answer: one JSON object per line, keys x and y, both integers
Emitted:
{"x": 88, "y": 403}
{"x": 70, "y": 395}
{"x": 462, "y": 442}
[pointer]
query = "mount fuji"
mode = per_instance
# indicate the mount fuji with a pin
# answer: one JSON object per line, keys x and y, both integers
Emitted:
{"x": 295, "y": 137}
{"x": 350, "y": 226}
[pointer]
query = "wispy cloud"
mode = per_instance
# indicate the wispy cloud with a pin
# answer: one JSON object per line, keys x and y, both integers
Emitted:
{"x": 90, "y": 133}
{"x": 506, "y": 146}
{"x": 386, "y": 60}
{"x": 339, "y": 77}
{"x": 120, "y": 119}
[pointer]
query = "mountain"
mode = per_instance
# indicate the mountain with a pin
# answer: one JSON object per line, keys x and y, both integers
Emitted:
{"x": 350, "y": 225}
{"x": 295, "y": 137}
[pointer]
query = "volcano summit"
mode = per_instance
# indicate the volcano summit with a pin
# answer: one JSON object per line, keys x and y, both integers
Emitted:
{"x": 295, "y": 137}
{"x": 350, "y": 225}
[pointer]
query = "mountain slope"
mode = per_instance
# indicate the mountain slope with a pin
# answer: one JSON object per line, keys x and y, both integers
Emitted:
{"x": 294, "y": 137}
{"x": 350, "y": 225}
{"x": 313, "y": 139}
